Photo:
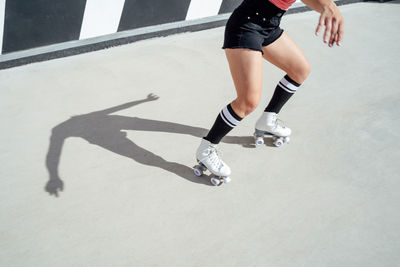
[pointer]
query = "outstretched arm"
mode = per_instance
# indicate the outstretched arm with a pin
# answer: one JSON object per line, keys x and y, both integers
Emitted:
{"x": 55, "y": 184}
{"x": 149, "y": 98}
{"x": 331, "y": 18}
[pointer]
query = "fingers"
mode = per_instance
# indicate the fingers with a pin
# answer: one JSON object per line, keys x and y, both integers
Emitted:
{"x": 336, "y": 39}
{"x": 333, "y": 22}
{"x": 328, "y": 28}
{"x": 334, "y": 30}
{"x": 321, "y": 23}
{"x": 340, "y": 33}
{"x": 152, "y": 96}
{"x": 336, "y": 33}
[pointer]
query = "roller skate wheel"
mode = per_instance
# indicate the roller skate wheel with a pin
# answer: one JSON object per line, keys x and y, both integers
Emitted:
{"x": 227, "y": 180}
{"x": 198, "y": 171}
{"x": 215, "y": 181}
{"x": 259, "y": 141}
{"x": 278, "y": 142}
{"x": 286, "y": 139}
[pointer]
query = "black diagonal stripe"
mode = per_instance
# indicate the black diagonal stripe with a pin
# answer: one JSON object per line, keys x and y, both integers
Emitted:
{"x": 228, "y": 6}
{"x": 138, "y": 14}
{"x": 34, "y": 23}
{"x": 290, "y": 90}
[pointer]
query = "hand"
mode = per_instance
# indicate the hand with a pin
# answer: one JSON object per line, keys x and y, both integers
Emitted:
{"x": 152, "y": 97}
{"x": 54, "y": 185}
{"x": 333, "y": 21}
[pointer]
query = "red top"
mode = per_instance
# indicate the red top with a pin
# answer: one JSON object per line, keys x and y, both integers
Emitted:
{"x": 283, "y": 4}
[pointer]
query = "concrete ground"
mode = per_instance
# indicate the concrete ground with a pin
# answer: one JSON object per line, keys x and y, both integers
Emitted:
{"x": 329, "y": 198}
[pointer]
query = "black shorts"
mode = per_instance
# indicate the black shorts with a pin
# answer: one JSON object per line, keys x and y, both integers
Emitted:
{"x": 253, "y": 24}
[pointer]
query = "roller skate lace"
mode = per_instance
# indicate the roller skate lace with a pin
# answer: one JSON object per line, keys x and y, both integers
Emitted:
{"x": 276, "y": 126}
{"x": 213, "y": 158}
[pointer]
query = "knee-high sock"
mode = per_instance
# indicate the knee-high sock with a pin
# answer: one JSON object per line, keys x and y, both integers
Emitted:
{"x": 225, "y": 122}
{"x": 283, "y": 91}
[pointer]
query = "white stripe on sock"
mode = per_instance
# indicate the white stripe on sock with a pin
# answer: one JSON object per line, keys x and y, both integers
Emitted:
{"x": 285, "y": 88}
{"x": 225, "y": 120}
{"x": 229, "y": 116}
{"x": 289, "y": 85}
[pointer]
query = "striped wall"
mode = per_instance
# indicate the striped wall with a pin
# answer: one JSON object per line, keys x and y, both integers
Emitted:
{"x": 29, "y": 24}
{"x": 36, "y": 23}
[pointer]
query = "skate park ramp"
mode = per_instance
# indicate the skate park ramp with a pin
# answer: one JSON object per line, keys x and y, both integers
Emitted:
{"x": 117, "y": 130}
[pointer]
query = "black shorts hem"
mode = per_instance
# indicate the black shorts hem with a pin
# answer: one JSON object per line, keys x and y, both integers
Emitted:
{"x": 270, "y": 41}
{"x": 242, "y": 46}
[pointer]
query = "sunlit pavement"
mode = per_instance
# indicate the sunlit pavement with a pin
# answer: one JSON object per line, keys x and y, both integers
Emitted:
{"x": 117, "y": 130}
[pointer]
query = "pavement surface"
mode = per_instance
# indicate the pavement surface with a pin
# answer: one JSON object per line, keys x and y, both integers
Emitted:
{"x": 124, "y": 157}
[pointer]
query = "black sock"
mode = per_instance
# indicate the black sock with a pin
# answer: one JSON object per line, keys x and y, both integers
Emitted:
{"x": 283, "y": 91}
{"x": 225, "y": 122}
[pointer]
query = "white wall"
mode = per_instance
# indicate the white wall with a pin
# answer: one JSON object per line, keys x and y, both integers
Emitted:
{"x": 203, "y": 8}
{"x": 101, "y": 17}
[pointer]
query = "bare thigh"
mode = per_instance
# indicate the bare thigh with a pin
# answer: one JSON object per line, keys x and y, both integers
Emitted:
{"x": 286, "y": 55}
{"x": 246, "y": 70}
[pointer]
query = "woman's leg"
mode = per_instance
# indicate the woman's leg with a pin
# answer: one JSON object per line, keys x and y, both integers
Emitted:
{"x": 246, "y": 70}
{"x": 286, "y": 55}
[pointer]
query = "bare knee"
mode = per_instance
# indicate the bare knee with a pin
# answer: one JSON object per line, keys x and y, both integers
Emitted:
{"x": 300, "y": 73}
{"x": 243, "y": 106}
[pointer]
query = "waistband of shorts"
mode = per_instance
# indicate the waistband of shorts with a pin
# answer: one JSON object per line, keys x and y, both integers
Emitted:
{"x": 263, "y": 6}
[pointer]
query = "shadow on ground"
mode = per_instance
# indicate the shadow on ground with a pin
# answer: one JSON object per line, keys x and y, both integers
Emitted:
{"x": 100, "y": 128}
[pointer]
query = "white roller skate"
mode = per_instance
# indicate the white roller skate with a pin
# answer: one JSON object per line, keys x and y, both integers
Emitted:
{"x": 208, "y": 159}
{"x": 267, "y": 125}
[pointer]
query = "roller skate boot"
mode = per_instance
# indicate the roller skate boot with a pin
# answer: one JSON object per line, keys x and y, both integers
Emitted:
{"x": 267, "y": 125}
{"x": 208, "y": 159}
